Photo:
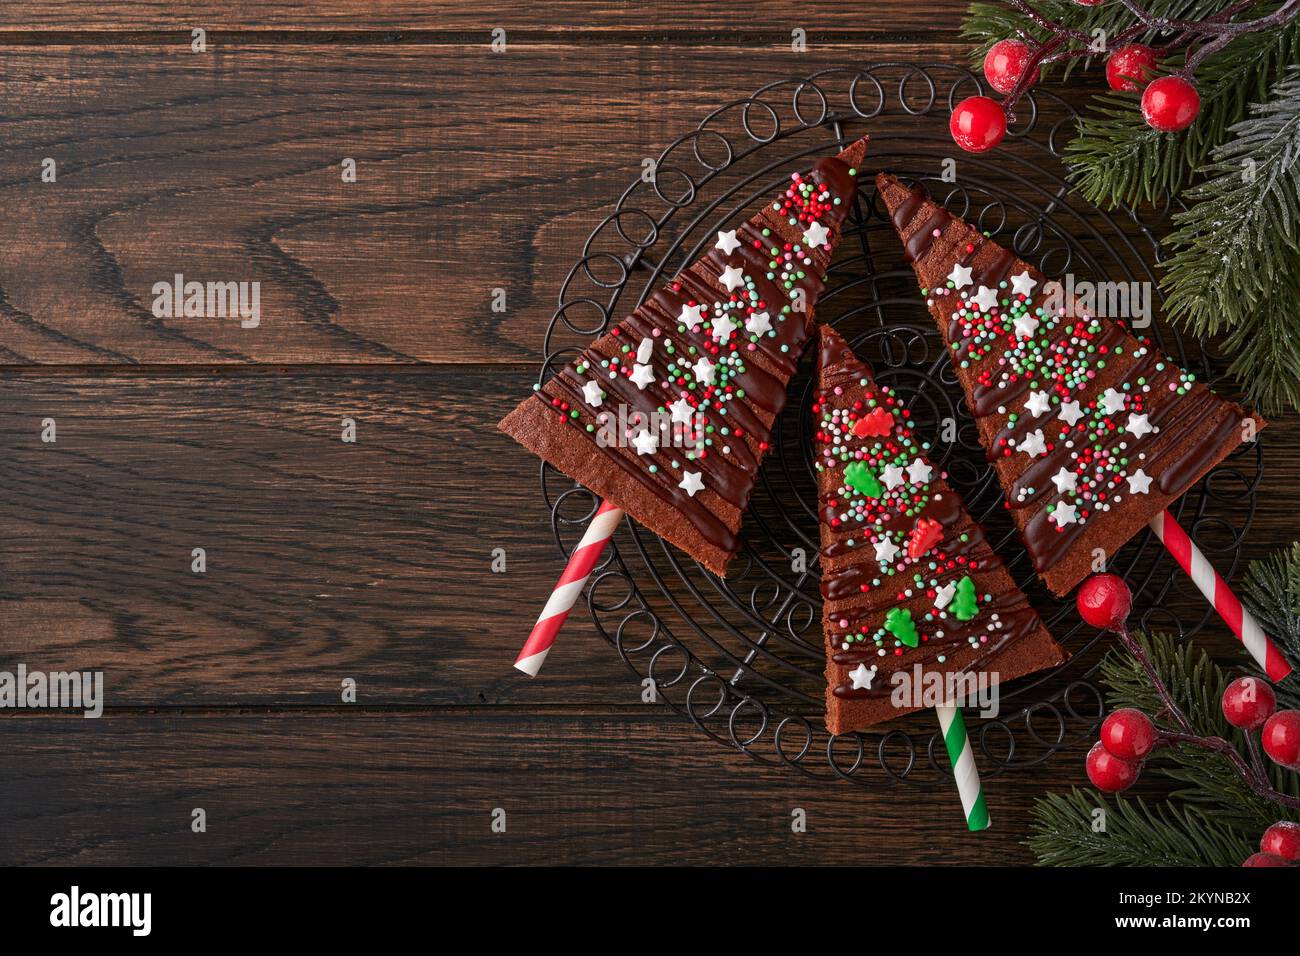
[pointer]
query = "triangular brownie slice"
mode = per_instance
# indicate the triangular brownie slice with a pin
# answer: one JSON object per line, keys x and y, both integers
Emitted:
{"x": 908, "y": 578}
{"x": 669, "y": 414}
{"x": 1093, "y": 431}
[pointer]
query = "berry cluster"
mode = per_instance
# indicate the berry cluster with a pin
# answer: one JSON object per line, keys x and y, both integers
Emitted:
{"x": 1169, "y": 103}
{"x": 1129, "y": 736}
{"x": 1249, "y": 703}
{"x": 1279, "y": 846}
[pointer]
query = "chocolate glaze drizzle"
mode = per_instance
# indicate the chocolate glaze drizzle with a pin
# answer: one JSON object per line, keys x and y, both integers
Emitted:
{"x": 1181, "y": 459}
{"x": 768, "y": 368}
{"x": 840, "y": 586}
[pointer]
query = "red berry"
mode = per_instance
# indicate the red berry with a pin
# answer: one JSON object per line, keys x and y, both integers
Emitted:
{"x": 1130, "y": 67}
{"x": 978, "y": 124}
{"x": 1264, "y": 859}
{"x": 1170, "y": 104}
{"x": 1129, "y": 734}
{"x": 1104, "y": 601}
{"x": 1005, "y": 63}
{"x": 1281, "y": 738}
{"x": 1108, "y": 772}
{"x": 1248, "y": 702}
{"x": 1282, "y": 839}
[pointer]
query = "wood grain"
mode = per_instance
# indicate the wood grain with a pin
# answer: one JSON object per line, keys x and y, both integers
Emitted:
{"x": 475, "y": 172}
{"x": 324, "y": 560}
{"x": 335, "y": 789}
{"x": 770, "y": 19}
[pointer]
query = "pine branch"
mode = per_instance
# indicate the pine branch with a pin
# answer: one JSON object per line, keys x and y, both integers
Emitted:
{"x": 1266, "y": 355}
{"x": 1236, "y": 250}
{"x": 1239, "y": 239}
{"x": 1271, "y": 591}
{"x": 1117, "y": 159}
{"x": 1131, "y": 833}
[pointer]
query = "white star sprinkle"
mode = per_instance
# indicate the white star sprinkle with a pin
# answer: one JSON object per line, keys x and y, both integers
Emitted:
{"x": 863, "y": 676}
{"x": 703, "y": 370}
{"x": 642, "y": 375}
{"x": 960, "y": 276}
{"x": 760, "y": 323}
{"x": 944, "y": 595}
{"x": 732, "y": 277}
{"x": 1038, "y": 404}
{"x": 1139, "y": 483}
{"x": 691, "y": 482}
{"x": 691, "y": 315}
{"x": 918, "y": 472}
{"x": 892, "y": 476}
{"x": 1065, "y": 480}
{"x": 1026, "y": 325}
{"x": 1022, "y": 284}
{"x": 1138, "y": 425}
{"x": 591, "y": 392}
{"x": 1034, "y": 444}
{"x": 722, "y": 326}
{"x": 886, "y": 550}
{"x": 645, "y": 350}
{"x": 1070, "y": 412}
{"x": 1112, "y": 401}
{"x": 815, "y": 235}
{"x": 1063, "y": 515}
{"x": 645, "y": 442}
{"x": 727, "y": 242}
{"x": 986, "y": 298}
{"x": 683, "y": 414}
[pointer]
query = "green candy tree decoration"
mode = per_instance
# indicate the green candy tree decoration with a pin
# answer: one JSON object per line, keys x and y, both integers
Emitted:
{"x": 965, "y": 605}
{"x": 859, "y": 477}
{"x": 899, "y": 623}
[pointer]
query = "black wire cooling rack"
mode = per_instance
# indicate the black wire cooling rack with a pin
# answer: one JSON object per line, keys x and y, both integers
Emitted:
{"x": 742, "y": 657}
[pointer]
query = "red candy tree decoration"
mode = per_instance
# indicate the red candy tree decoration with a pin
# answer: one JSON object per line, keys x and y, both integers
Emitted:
{"x": 1169, "y": 103}
{"x": 1129, "y": 736}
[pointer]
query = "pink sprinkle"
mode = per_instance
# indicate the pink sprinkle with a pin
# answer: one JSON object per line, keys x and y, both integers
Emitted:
{"x": 936, "y": 234}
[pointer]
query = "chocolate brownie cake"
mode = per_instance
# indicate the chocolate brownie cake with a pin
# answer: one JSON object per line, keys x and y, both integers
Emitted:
{"x": 908, "y": 577}
{"x": 669, "y": 414}
{"x": 1093, "y": 431}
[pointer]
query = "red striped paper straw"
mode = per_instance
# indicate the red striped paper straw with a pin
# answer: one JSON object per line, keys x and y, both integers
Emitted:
{"x": 1216, "y": 591}
{"x": 567, "y": 589}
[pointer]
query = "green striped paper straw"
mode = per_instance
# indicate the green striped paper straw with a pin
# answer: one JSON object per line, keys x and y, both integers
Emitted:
{"x": 964, "y": 771}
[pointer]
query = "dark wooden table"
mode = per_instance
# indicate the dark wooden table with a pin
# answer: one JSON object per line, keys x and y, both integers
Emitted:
{"x": 327, "y": 561}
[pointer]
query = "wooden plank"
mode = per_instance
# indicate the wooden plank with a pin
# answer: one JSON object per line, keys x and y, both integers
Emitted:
{"x": 476, "y": 172}
{"x": 339, "y": 789}
{"x": 560, "y": 17}
{"x": 324, "y": 560}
